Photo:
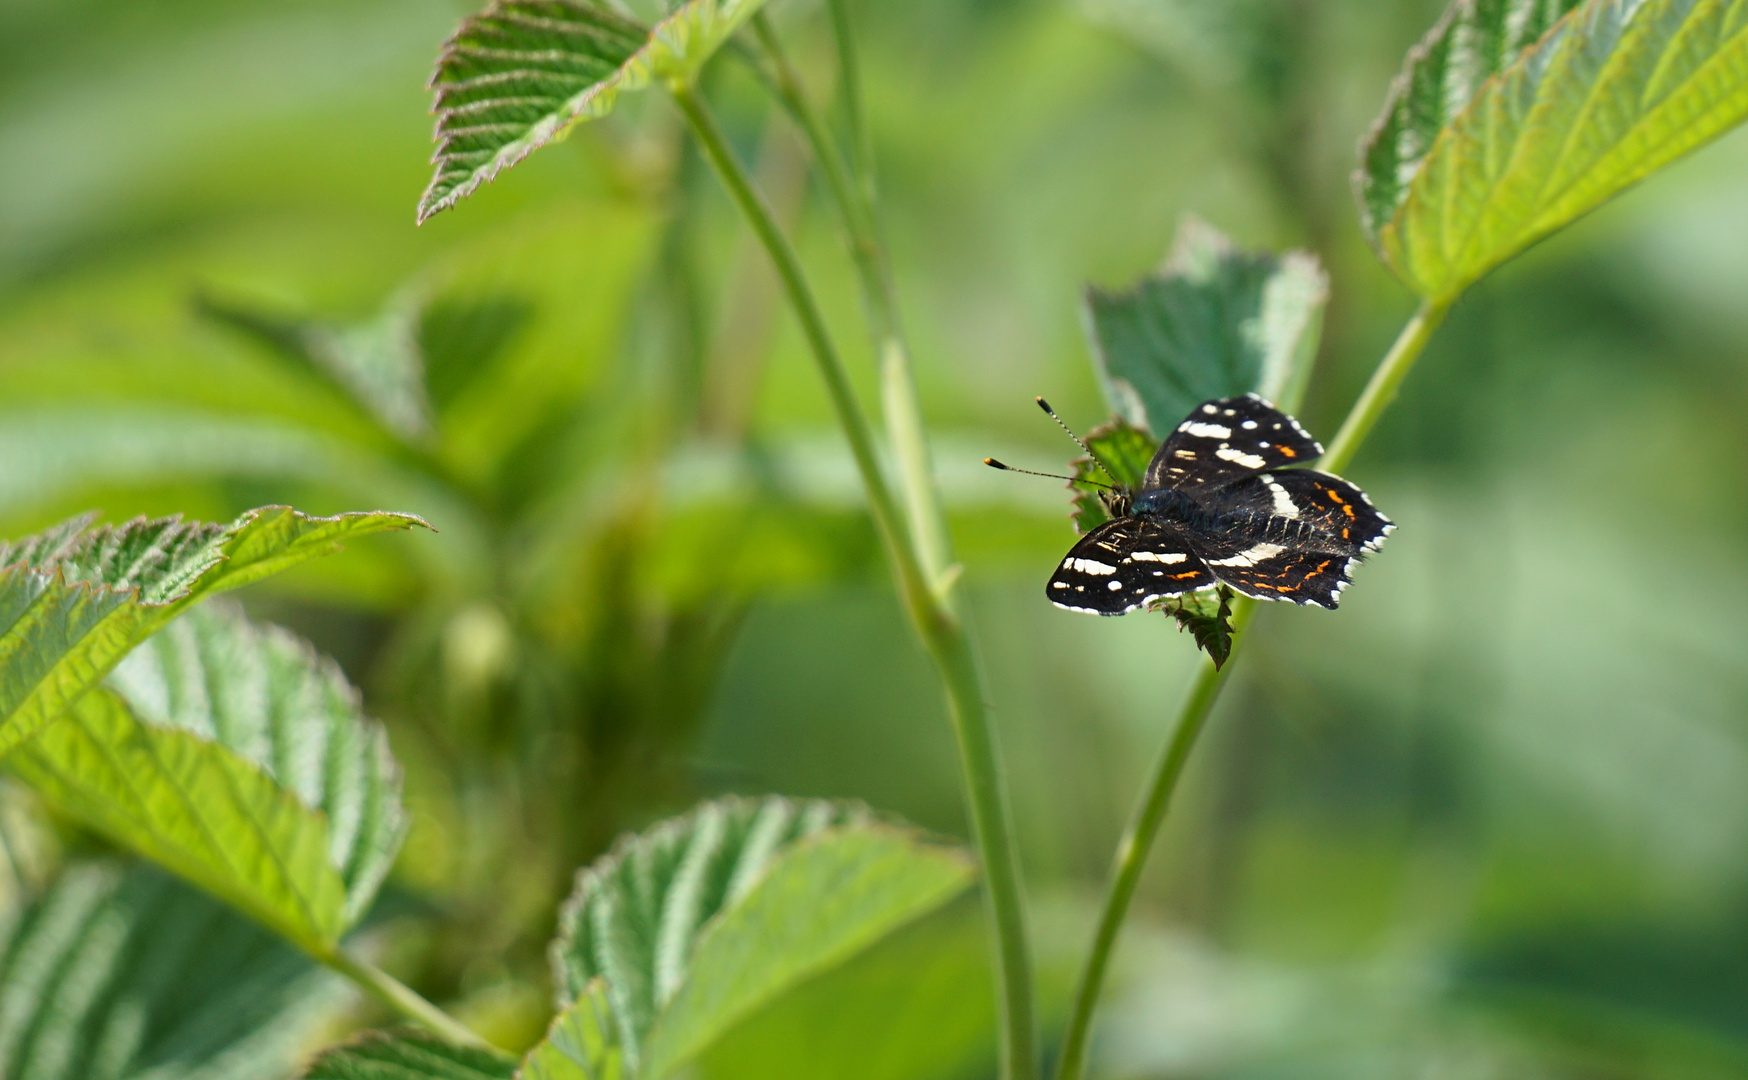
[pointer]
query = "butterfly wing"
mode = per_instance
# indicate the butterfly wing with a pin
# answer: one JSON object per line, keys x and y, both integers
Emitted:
{"x": 1228, "y": 439}
{"x": 1291, "y": 535}
{"x": 1126, "y": 564}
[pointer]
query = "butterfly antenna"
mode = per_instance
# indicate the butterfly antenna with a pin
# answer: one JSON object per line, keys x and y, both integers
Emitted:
{"x": 1096, "y": 460}
{"x": 994, "y": 464}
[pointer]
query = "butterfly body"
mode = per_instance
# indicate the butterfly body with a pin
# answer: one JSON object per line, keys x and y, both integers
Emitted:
{"x": 1219, "y": 504}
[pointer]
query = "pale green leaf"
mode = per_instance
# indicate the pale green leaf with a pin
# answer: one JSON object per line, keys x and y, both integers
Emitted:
{"x": 583, "y": 1043}
{"x": 376, "y": 364}
{"x": 1511, "y": 119}
{"x": 522, "y": 73}
{"x": 235, "y": 756}
{"x": 1213, "y": 322}
{"x": 697, "y": 922}
{"x": 408, "y": 1055}
{"x": 118, "y": 974}
{"x": 76, "y": 599}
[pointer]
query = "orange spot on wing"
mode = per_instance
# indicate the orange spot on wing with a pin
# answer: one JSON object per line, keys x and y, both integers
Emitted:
{"x": 1287, "y": 451}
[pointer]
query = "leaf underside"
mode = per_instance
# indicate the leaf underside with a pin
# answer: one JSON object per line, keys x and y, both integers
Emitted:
{"x": 408, "y": 1055}
{"x": 1213, "y": 322}
{"x": 126, "y": 974}
{"x": 522, "y": 73}
{"x": 1514, "y": 117}
{"x": 235, "y": 756}
{"x": 694, "y": 923}
{"x": 76, "y": 599}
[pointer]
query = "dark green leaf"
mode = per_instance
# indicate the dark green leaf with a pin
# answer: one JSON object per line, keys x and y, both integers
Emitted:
{"x": 235, "y": 756}
{"x": 697, "y": 922}
{"x": 1207, "y": 616}
{"x": 1213, "y": 322}
{"x": 75, "y": 599}
{"x": 117, "y": 974}
{"x": 522, "y": 73}
{"x": 1513, "y": 117}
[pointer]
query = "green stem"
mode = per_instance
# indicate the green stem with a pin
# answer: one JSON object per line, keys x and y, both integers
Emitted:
{"x": 941, "y": 631}
{"x": 1149, "y": 814}
{"x": 402, "y": 998}
{"x": 905, "y": 431}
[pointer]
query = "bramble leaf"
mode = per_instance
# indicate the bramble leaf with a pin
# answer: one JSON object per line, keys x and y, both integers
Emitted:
{"x": 76, "y": 599}
{"x": 127, "y": 974}
{"x": 1122, "y": 448}
{"x": 697, "y": 922}
{"x": 1511, "y": 118}
{"x": 235, "y": 756}
{"x": 1213, "y": 322}
{"x": 522, "y": 73}
{"x": 1207, "y": 616}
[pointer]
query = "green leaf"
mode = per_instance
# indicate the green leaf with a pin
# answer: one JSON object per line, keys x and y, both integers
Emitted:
{"x": 126, "y": 974}
{"x": 583, "y": 1043}
{"x": 408, "y": 1055}
{"x": 377, "y": 364}
{"x": 699, "y": 921}
{"x": 1510, "y": 119}
{"x": 1207, "y": 616}
{"x": 1213, "y": 322}
{"x": 1124, "y": 450}
{"x": 74, "y": 600}
{"x": 235, "y": 756}
{"x": 522, "y": 73}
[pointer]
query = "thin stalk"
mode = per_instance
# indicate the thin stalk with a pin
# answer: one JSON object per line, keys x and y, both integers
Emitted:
{"x": 941, "y": 632}
{"x": 853, "y": 192}
{"x": 1149, "y": 814}
{"x": 402, "y": 998}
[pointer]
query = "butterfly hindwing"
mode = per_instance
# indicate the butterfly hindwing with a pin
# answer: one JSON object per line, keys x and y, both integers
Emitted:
{"x": 1126, "y": 564}
{"x": 1304, "y": 577}
{"x": 1325, "y": 511}
{"x": 1225, "y": 440}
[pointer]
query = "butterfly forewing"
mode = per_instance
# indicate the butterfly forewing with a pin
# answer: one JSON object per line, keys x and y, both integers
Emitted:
{"x": 1337, "y": 512}
{"x": 1227, "y": 439}
{"x": 1126, "y": 564}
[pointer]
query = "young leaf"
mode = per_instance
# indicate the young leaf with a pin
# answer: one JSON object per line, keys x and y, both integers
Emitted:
{"x": 75, "y": 599}
{"x": 235, "y": 756}
{"x": 1213, "y": 322}
{"x": 695, "y": 923}
{"x": 522, "y": 73}
{"x": 1513, "y": 117}
{"x": 582, "y": 1044}
{"x": 408, "y": 1055}
{"x": 1207, "y": 616}
{"x": 126, "y": 974}
{"x": 1122, "y": 448}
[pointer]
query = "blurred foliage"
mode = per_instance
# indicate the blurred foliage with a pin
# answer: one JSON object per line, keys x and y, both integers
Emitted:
{"x": 1489, "y": 820}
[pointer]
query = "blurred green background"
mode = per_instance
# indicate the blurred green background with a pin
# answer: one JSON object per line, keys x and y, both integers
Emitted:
{"x": 1490, "y": 820}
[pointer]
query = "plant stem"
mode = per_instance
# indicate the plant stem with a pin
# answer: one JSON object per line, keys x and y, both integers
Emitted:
{"x": 402, "y": 998}
{"x": 1149, "y": 814}
{"x": 941, "y": 631}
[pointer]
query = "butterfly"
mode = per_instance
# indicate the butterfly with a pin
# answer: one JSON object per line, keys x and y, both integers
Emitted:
{"x": 1219, "y": 505}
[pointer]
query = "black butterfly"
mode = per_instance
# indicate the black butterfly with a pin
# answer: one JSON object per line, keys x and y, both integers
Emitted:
{"x": 1219, "y": 506}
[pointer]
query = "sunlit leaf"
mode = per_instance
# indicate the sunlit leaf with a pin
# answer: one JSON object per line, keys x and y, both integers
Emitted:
{"x": 408, "y": 1055}
{"x": 119, "y": 974}
{"x": 75, "y": 599}
{"x": 523, "y": 72}
{"x": 235, "y": 756}
{"x": 1213, "y": 322}
{"x": 697, "y": 922}
{"x": 1511, "y": 119}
